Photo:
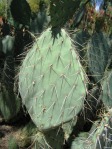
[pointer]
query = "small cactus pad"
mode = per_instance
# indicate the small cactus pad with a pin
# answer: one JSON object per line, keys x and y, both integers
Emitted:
{"x": 52, "y": 82}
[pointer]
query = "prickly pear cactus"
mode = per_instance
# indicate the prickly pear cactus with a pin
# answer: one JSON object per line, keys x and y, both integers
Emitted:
{"x": 106, "y": 95}
{"x": 98, "y": 55}
{"x": 52, "y": 82}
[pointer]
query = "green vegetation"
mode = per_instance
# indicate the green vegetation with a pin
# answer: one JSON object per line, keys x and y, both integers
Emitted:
{"x": 56, "y": 74}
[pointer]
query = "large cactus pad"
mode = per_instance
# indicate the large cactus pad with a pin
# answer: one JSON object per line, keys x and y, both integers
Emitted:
{"x": 51, "y": 81}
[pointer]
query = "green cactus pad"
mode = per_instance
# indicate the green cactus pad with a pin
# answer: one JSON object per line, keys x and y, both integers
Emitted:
{"x": 106, "y": 95}
{"x": 98, "y": 55}
{"x": 52, "y": 82}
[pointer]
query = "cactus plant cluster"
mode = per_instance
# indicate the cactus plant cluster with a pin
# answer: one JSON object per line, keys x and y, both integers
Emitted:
{"x": 49, "y": 69}
{"x": 64, "y": 80}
